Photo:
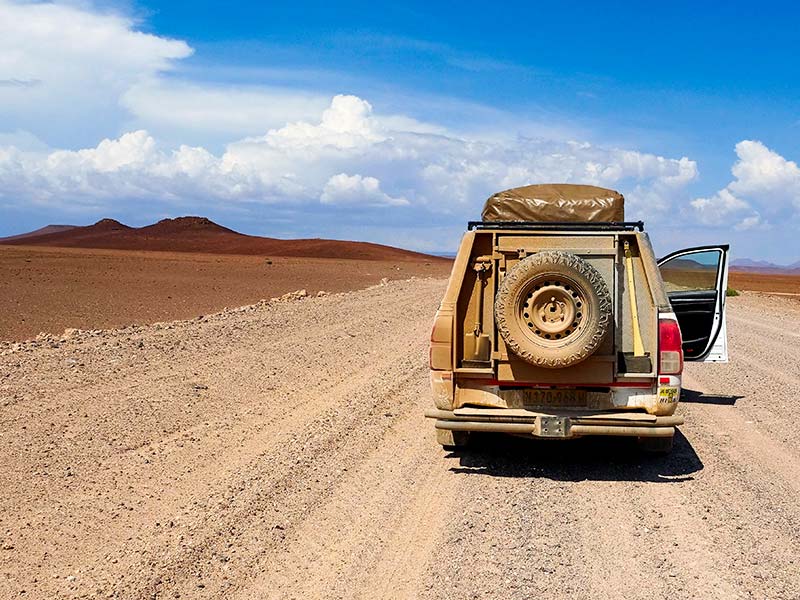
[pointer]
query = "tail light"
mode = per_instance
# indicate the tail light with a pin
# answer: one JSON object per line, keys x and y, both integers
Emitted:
{"x": 670, "y": 347}
{"x": 442, "y": 341}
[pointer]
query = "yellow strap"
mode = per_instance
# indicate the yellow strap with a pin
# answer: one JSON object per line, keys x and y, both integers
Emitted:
{"x": 638, "y": 346}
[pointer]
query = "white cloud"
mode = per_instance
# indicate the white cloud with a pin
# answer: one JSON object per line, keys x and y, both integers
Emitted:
{"x": 131, "y": 150}
{"x": 765, "y": 187}
{"x": 347, "y": 123}
{"x": 181, "y": 109}
{"x": 719, "y": 209}
{"x": 351, "y": 155}
{"x": 752, "y": 222}
{"x": 765, "y": 173}
{"x": 69, "y": 66}
{"x": 32, "y": 32}
{"x": 70, "y": 75}
{"x": 357, "y": 190}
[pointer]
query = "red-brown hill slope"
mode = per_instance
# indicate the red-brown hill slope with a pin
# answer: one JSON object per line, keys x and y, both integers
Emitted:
{"x": 198, "y": 234}
{"x": 41, "y": 231}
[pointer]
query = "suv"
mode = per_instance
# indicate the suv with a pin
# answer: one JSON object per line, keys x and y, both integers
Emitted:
{"x": 559, "y": 322}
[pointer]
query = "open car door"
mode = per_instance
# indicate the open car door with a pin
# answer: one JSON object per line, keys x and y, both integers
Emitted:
{"x": 696, "y": 280}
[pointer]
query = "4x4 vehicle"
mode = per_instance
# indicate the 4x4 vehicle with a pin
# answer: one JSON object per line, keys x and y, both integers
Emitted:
{"x": 559, "y": 322}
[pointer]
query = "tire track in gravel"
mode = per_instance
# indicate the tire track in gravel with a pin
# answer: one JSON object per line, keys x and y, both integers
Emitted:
{"x": 751, "y": 517}
{"x": 357, "y": 542}
{"x": 513, "y": 533}
{"x": 635, "y": 543}
{"x": 765, "y": 326}
{"x": 751, "y": 480}
{"x": 760, "y": 389}
{"x": 413, "y": 540}
{"x": 743, "y": 439}
{"x": 168, "y": 507}
{"x": 592, "y": 518}
{"x": 304, "y": 469}
{"x": 280, "y": 451}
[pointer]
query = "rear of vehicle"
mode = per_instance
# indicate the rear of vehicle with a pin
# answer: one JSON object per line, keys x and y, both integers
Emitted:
{"x": 556, "y": 326}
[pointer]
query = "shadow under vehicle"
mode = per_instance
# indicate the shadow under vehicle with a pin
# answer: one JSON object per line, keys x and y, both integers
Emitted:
{"x": 584, "y": 459}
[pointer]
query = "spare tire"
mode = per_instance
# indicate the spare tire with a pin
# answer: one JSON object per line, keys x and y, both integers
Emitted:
{"x": 553, "y": 309}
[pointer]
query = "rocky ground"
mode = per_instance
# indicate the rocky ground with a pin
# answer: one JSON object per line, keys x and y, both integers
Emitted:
{"x": 279, "y": 451}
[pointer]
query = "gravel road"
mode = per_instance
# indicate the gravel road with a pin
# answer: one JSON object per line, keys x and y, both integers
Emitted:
{"x": 279, "y": 451}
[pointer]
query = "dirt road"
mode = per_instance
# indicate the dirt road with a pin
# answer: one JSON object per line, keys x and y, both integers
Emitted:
{"x": 280, "y": 452}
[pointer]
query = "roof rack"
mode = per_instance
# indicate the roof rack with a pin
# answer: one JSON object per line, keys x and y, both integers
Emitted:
{"x": 569, "y": 226}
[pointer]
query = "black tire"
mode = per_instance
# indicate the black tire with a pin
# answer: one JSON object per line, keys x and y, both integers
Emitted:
{"x": 553, "y": 309}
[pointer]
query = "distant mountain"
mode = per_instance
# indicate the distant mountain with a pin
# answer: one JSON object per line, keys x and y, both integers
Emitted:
{"x": 184, "y": 225}
{"x": 199, "y": 234}
{"x": 687, "y": 264}
{"x": 41, "y": 231}
{"x": 758, "y": 264}
{"x": 763, "y": 266}
{"x": 110, "y": 225}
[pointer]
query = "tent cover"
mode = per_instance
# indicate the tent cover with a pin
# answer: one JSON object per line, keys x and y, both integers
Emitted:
{"x": 556, "y": 202}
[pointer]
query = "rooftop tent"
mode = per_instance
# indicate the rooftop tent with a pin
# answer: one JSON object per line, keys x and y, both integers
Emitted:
{"x": 554, "y": 203}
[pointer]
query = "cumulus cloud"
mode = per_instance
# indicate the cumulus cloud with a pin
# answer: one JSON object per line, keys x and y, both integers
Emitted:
{"x": 350, "y": 155}
{"x": 69, "y": 74}
{"x": 719, "y": 208}
{"x": 211, "y": 112}
{"x": 765, "y": 173}
{"x": 63, "y": 68}
{"x": 357, "y": 190}
{"x": 765, "y": 187}
{"x": 31, "y": 32}
{"x": 752, "y": 222}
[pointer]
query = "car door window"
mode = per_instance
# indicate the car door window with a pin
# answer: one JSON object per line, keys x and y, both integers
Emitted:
{"x": 692, "y": 272}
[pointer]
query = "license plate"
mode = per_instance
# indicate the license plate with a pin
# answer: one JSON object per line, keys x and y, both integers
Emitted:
{"x": 667, "y": 395}
{"x": 556, "y": 398}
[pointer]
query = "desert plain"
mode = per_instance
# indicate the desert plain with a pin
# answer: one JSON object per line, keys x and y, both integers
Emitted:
{"x": 169, "y": 447}
{"x": 48, "y": 290}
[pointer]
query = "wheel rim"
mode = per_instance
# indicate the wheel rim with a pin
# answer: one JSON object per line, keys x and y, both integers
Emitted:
{"x": 552, "y": 309}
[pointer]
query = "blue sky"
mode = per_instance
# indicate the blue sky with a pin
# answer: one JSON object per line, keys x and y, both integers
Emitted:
{"x": 692, "y": 110}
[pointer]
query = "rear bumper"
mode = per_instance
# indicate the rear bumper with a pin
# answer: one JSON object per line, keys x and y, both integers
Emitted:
{"x": 554, "y": 425}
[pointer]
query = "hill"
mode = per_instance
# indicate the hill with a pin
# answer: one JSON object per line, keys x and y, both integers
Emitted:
{"x": 199, "y": 234}
{"x": 762, "y": 266}
{"x": 41, "y": 231}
